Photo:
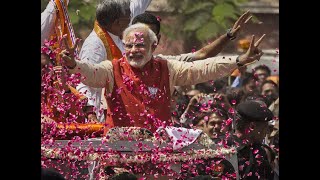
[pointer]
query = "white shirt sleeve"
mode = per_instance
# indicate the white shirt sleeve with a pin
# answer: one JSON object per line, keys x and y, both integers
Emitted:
{"x": 189, "y": 57}
{"x": 189, "y": 73}
{"x": 138, "y": 7}
{"x": 47, "y": 21}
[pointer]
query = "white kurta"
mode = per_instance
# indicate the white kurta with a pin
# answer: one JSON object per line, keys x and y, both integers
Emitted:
{"x": 93, "y": 51}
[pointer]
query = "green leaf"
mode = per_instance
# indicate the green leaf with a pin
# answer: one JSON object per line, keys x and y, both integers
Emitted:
{"x": 209, "y": 30}
{"x": 74, "y": 18}
{"x": 196, "y": 22}
{"x": 87, "y": 12}
{"x": 240, "y": 1}
{"x": 198, "y": 6}
{"x": 182, "y": 5}
{"x": 44, "y": 4}
{"x": 168, "y": 31}
{"x": 224, "y": 10}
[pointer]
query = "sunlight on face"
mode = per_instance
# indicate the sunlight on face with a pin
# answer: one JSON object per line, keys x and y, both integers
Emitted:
{"x": 138, "y": 49}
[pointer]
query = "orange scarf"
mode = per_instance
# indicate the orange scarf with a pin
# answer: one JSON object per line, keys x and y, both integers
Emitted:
{"x": 77, "y": 93}
{"x": 113, "y": 52}
{"x": 62, "y": 27}
{"x": 63, "y": 23}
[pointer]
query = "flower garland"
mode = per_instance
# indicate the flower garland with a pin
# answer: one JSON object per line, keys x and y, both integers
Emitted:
{"x": 128, "y": 134}
{"x": 141, "y": 134}
{"x": 138, "y": 158}
{"x": 138, "y": 134}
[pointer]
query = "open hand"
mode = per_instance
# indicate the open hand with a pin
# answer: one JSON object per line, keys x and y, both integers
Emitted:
{"x": 253, "y": 53}
{"x": 196, "y": 99}
{"x": 68, "y": 54}
{"x": 223, "y": 99}
{"x": 240, "y": 23}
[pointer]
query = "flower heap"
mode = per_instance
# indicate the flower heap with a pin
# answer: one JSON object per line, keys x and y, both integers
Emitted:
{"x": 161, "y": 157}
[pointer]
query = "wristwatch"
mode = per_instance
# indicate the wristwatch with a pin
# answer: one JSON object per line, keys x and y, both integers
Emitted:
{"x": 231, "y": 37}
{"x": 238, "y": 62}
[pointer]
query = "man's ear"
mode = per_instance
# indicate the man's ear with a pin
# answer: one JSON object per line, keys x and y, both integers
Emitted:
{"x": 154, "y": 46}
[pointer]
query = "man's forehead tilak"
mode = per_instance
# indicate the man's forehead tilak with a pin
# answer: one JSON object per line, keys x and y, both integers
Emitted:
{"x": 137, "y": 37}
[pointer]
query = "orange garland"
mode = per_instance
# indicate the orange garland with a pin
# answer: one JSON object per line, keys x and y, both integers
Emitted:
{"x": 80, "y": 129}
{"x": 61, "y": 26}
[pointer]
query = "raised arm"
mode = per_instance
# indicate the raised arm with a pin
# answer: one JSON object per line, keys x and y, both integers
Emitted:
{"x": 94, "y": 75}
{"x": 217, "y": 46}
{"x": 187, "y": 73}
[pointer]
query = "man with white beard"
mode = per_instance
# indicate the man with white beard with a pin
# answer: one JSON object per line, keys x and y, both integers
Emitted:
{"x": 104, "y": 43}
{"x": 139, "y": 86}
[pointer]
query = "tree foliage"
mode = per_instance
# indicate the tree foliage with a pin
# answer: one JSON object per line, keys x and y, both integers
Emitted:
{"x": 204, "y": 19}
{"x": 81, "y": 12}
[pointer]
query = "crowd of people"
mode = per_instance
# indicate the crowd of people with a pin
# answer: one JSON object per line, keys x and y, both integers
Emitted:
{"x": 117, "y": 80}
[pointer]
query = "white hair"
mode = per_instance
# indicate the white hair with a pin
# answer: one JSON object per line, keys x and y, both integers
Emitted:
{"x": 140, "y": 26}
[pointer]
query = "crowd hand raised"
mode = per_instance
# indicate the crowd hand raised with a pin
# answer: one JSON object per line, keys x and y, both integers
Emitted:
{"x": 68, "y": 54}
{"x": 240, "y": 23}
{"x": 196, "y": 99}
{"x": 222, "y": 98}
{"x": 242, "y": 70}
{"x": 193, "y": 101}
{"x": 253, "y": 53}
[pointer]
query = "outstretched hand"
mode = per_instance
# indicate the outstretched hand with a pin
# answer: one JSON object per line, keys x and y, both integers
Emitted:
{"x": 253, "y": 53}
{"x": 240, "y": 23}
{"x": 68, "y": 54}
{"x": 196, "y": 99}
